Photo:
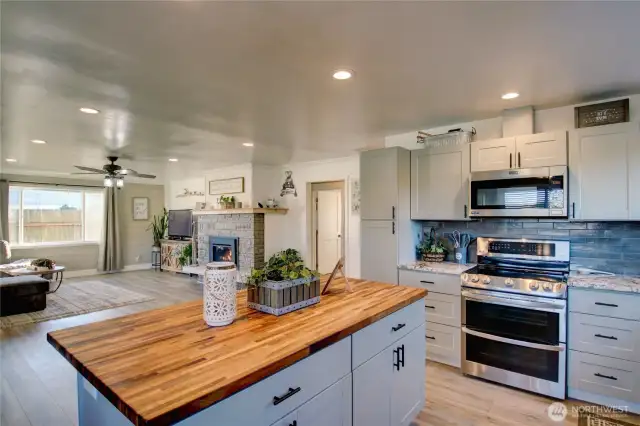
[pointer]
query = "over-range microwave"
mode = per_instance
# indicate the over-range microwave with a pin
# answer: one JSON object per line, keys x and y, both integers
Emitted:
{"x": 537, "y": 192}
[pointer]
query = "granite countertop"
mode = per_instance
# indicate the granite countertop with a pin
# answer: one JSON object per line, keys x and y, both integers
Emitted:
{"x": 606, "y": 282}
{"x": 450, "y": 268}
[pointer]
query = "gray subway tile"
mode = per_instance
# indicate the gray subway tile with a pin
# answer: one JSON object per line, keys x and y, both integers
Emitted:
{"x": 569, "y": 225}
{"x": 554, "y": 232}
{"x": 538, "y": 225}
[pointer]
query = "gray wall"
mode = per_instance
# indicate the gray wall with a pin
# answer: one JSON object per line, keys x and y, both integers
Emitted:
{"x": 607, "y": 246}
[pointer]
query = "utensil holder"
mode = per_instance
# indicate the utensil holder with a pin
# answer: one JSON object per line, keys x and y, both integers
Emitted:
{"x": 460, "y": 254}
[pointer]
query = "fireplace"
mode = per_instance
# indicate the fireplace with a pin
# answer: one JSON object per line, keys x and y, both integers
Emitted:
{"x": 223, "y": 249}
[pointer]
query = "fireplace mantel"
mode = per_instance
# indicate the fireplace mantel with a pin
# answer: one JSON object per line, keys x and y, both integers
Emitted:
{"x": 241, "y": 211}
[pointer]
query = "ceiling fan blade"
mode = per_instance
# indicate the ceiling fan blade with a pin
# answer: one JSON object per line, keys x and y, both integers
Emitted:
{"x": 83, "y": 173}
{"x": 127, "y": 172}
{"x": 89, "y": 169}
{"x": 142, "y": 175}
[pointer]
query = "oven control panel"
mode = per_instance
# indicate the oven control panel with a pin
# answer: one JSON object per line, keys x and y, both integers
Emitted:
{"x": 526, "y": 248}
{"x": 523, "y": 248}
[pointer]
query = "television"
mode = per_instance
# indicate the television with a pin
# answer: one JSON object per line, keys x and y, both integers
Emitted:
{"x": 180, "y": 224}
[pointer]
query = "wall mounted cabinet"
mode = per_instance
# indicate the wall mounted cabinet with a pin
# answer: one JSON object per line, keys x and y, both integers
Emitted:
{"x": 440, "y": 183}
{"x": 526, "y": 151}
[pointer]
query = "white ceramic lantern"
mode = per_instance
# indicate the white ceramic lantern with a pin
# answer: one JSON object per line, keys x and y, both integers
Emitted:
{"x": 219, "y": 293}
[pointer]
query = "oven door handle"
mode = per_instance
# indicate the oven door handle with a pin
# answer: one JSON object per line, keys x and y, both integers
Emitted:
{"x": 538, "y": 306}
{"x": 513, "y": 341}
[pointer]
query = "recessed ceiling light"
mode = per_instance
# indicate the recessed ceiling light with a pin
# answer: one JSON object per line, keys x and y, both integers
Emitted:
{"x": 38, "y": 141}
{"x": 342, "y": 74}
{"x": 89, "y": 110}
{"x": 510, "y": 95}
{"x": 247, "y": 144}
{"x": 173, "y": 160}
{"x": 11, "y": 160}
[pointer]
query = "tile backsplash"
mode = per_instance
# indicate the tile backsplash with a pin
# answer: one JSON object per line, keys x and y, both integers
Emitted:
{"x": 606, "y": 246}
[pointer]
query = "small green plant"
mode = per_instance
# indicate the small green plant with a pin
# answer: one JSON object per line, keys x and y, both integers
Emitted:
{"x": 43, "y": 263}
{"x": 185, "y": 255}
{"x": 282, "y": 266}
{"x": 227, "y": 200}
{"x": 430, "y": 245}
{"x": 158, "y": 227}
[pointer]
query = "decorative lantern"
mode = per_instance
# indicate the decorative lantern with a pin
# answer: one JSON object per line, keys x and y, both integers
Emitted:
{"x": 220, "y": 293}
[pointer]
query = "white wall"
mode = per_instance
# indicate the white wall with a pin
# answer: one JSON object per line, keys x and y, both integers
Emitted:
{"x": 544, "y": 120}
{"x": 173, "y": 188}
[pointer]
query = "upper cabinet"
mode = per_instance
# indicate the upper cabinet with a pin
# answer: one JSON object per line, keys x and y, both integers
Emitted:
{"x": 493, "y": 154}
{"x": 440, "y": 183}
{"x": 604, "y": 174}
{"x": 379, "y": 181}
{"x": 527, "y": 151}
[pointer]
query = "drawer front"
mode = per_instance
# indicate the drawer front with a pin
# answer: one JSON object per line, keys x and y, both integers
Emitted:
{"x": 611, "y": 337}
{"x": 443, "y": 344}
{"x": 312, "y": 375}
{"x": 604, "y": 303}
{"x": 373, "y": 339}
{"x": 438, "y": 283}
{"x": 605, "y": 376}
{"x": 442, "y": 309}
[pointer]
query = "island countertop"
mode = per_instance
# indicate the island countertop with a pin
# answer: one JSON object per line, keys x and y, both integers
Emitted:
{"x": 161, "y": 366}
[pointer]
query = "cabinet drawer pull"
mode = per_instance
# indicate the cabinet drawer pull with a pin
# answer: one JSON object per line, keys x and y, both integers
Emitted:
{"x": 430, "y": 337}
{"x": 519, "y": 161}
{"x": 295, "y": 423}
{"x": 429, "y": 307}
{"x": 606, "y": 337}
{"x": 605, "y": 377}
{"x": 278, "y": 399}
{"x": 401, "y": 352}
{"x": 393, "y": 212}
{"x": 465, "y": 211}
{"x": 398, "y": 327}
{"x": 427, "y": 282}
{"x": 510, "y": 161}
{"x": 611, "y": 305}
{"x": 396, "y": 361}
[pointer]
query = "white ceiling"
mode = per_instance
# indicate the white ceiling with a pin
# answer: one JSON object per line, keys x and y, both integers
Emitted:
{"x": 195, "y": 80}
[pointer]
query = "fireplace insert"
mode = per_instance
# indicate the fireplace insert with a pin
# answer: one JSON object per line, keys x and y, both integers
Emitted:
{"x": 223, "y": 249}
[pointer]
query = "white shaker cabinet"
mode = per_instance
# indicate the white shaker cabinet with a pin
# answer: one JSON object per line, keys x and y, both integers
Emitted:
{"x": 408, "y": 393}
{"x": 440, "y": 183}
{"x": 378, "y": 250}
{"x": 379, "y": 183}
{"x": 541, "y": 150}
{"x": 493, "y": 154}
{"x": 603, "y": 186}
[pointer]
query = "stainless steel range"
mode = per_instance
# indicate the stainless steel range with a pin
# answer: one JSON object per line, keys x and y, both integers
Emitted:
{"x": 514, "y": 312}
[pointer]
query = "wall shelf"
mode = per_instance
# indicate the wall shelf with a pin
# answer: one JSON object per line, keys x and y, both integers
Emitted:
{"x": 241, "y": 211}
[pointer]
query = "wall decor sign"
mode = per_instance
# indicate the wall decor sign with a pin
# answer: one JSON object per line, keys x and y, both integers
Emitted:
{"x": 226, "y": 186}
{"x": 288, "y": 187}
{"x": 188, "y": 193}
{"x": 602, "y": 113}
{"x": 140, "y": 208}
{"x": 355, "y": 196}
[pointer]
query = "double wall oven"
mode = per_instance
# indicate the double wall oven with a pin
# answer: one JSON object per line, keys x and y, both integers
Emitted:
{"x": 514, "y": 312}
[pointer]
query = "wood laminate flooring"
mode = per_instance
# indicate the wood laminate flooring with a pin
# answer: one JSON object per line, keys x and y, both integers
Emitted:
{"x": 38, "y": 386}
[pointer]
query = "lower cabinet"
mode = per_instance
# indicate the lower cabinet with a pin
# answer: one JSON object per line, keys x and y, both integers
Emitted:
{"x": 389, "y": 389}
{"x": 443, "y": 344}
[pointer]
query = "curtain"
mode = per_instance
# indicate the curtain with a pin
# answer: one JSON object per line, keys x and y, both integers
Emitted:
{"x": 110, "y": 245}
{"x": 4, "y": 220}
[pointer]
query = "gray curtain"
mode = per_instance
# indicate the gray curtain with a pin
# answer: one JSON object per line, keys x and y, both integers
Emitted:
{"x": 4, "y": 219}
{"x": 110, "y": 246}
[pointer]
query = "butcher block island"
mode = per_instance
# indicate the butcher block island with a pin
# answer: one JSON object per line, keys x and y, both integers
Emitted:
{"x": 353, "y": 359}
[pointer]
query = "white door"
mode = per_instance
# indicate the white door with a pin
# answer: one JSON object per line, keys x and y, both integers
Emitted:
{"x": 379, "y": 251}
{"x": 408, "y": 380}
{"x": 440, "y": 183}
{"x": 372, "y": 390}
{"x": 332, "y": 407}
{"x": 378, "y": 184}
{"x": 634, "y": 174}
{"x": 599, "y": 167}
{"x": 541, "y": 149}
{"x": 494, "y": 154}
{"x": 329, "y": 229}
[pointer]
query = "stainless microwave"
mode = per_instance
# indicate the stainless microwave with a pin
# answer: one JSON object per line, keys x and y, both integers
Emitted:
{"x": 538, "y": 192}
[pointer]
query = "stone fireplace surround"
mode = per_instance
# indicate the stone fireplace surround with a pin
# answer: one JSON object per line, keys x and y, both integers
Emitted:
{"x": 247, "y": 227}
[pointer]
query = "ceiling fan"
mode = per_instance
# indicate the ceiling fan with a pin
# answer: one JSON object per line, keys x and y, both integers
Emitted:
{"x": 113, "y": 173}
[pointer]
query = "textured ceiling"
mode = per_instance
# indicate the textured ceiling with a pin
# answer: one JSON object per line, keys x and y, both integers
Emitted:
{"x": 195, "y": 80}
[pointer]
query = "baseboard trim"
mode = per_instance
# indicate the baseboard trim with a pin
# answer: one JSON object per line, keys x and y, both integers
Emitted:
{"x": 80, "y": 273}
{"x": 90, "y": 272}
{"x": 136, "y": 267}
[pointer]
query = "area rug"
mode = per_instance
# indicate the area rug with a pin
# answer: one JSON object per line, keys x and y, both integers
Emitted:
{"x": 77, "y": 298}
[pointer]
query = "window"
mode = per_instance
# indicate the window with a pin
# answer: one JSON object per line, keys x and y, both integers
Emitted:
{"x": 44, "y": 215}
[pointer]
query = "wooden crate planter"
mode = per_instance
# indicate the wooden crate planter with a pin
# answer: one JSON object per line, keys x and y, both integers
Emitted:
{"x": 281, "y": 297}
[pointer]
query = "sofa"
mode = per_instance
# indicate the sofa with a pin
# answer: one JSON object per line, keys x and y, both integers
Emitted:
{"x": 19, "y": 295}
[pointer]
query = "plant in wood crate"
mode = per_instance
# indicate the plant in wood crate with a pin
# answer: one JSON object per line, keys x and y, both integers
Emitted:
{"x": 431, "y": 248}
{"x": 158, "y": 227}
{"x": 283, "y": 285}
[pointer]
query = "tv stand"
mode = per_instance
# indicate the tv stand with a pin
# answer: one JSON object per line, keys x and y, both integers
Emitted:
{"x": 170, "y": 252}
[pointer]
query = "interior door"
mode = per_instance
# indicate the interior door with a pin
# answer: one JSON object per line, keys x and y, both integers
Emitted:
{"x": 379, "y": 250}
{"x": 329, "y": 229}
{"x": 440, "y": 183}
{"x": 378, "y": 184}
{"x": 408, "y": 382}
{"x": 541, "y": 150}
{"x": 494, "y": 154}
{"x": 372, "y": 390}
{"x": 599, "y": 167}
{"x": 332, "y": 407}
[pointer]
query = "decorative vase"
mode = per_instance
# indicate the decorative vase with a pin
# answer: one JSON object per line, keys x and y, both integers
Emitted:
{"x": 219, "y": 293}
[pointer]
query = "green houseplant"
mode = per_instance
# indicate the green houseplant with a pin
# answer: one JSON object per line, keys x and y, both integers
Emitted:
{"x": 285, "y": 284}
{"x": 227, "y": 201}
{"x": 158, "y": 227}
{"x": 185, "y": 255}
{"x": 431, "y": 248}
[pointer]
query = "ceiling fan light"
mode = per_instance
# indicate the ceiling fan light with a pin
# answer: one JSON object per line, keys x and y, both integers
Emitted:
{"x": 108, "y": 182}
{"x": 119, "y": 183}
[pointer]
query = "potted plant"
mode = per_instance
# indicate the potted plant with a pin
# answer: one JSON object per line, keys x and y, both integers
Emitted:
{"x": 184, "y": 259}
{"x": 283, "y": 285}
{"x": 431, "y": 249}
{"x": 227, "y": 202}
{"x": 158, "y": 227}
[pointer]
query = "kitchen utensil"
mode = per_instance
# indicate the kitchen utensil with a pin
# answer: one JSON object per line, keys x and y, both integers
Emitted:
{"x": 455, "y": 236}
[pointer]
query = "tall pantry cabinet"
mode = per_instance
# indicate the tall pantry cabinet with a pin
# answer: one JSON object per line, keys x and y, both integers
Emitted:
{"x": 385, "y": 208}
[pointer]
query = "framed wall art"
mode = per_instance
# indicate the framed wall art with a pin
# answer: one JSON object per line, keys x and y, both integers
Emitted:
{"x": 226, "y": 186}
{"x": 140, "y": 208}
